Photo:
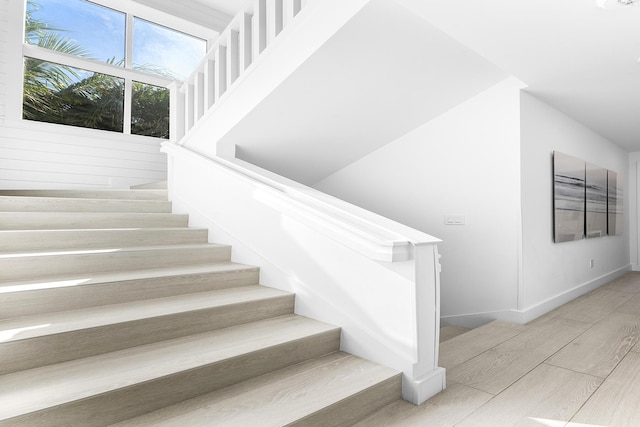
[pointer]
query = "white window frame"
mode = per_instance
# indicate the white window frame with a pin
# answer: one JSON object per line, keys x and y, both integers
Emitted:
{"x": 131, "y": 10}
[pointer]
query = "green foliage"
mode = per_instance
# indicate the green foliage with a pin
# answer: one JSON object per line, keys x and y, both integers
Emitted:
{"x": 150, "y": 111}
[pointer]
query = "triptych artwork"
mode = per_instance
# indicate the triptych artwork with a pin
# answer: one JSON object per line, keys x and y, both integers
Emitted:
{"x": 587, "y": 199}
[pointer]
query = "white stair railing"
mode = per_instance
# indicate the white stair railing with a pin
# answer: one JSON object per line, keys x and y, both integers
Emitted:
{"x": 246, "y": 37}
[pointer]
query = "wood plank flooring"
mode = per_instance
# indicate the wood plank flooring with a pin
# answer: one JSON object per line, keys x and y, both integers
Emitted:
{"x": 577, "y": 366}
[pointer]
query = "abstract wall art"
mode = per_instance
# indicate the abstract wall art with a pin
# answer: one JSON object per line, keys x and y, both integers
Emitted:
{"x": 587, "y": 200}
{"x": 568, "y": 197}
{"x": 614, "y": 204}
{"x": 596, "y": 199}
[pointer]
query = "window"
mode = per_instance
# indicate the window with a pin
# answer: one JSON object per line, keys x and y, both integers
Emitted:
{"x": 92, "y": 66}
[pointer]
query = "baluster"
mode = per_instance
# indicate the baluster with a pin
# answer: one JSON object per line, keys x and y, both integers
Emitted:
{"x": 246, "y": 54}
{"x": 188, "y": 106}
{"x": 259, "y": 31}
{"x": 233, "y": 57}
{"x": 221, "y": 72}
{"x": 198, "y": 99}
{"x": 209, "y": 84}
{"x": 274, "y": 19}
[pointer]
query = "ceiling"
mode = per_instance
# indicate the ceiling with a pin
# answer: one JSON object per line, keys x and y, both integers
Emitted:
{"x": 577, "y": 57}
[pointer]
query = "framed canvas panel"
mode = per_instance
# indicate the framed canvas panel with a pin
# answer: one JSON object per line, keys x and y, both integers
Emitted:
{"x": 568, "y": 197}
{"x": 596, "y": 200}
{"x": 614, "y": 204}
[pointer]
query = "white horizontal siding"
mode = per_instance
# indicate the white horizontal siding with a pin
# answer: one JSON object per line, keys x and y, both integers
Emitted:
{"x": 34, "y": 158}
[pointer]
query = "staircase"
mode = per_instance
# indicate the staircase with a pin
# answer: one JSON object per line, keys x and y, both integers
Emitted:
{"x": 113, "y": 311}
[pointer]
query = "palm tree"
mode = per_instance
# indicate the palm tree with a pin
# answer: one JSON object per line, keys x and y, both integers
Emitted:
{"x": 42, "y": 79}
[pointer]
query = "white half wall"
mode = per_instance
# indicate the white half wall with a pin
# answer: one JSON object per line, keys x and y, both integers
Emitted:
{"x": 466, "y": 164}
{"x": 554, "y": 273}
{"x": 307, "y": 243}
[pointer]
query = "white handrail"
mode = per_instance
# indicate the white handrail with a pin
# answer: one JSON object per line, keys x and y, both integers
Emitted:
{"x": 373, "y": 235}
{"x": 245, "y": 38}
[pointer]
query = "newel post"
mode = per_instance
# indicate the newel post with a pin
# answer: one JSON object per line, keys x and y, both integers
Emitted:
{"x": 426, "y": 379}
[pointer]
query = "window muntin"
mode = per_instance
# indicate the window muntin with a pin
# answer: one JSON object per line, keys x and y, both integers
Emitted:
{"x": 165, "y": 52}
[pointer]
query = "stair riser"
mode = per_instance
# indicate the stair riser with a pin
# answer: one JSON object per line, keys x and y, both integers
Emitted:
{"x": 60, "y": 240}
{"x": 139, "y": 399}
{"x": 62, "y": 347}
{"x": 43, "y": 204}
{"x": 27, "y": 303}
{"x": 31, "y": 267}
{"x": 77, "y": 220}
{"x": 88, "y": 194}
{"x": 348, "y": 411}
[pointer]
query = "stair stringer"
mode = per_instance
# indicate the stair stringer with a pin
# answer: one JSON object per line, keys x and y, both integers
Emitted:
{"x": 316, "y": 23}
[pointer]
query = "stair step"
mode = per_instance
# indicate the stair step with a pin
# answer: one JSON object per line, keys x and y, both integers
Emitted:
{"x": 159, "y": 185}
{"x": 57, "y": 204}
{"x": 89, "y": 220}
{"x": 23, "y": 266}
{"x": 45, "y": 240}
{"x": 34, "y": 341}
{"x": 112, "y": 387}
{"x": 27, "y": 298}
{"x": 91, "y": 194}
{"x": 333, "y": 390}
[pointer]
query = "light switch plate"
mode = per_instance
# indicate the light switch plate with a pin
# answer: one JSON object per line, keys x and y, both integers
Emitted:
{"x": 454, "y": 220}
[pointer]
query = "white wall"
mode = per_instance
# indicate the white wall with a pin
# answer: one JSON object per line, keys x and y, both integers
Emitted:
{"x": 42, "y": 155}
{"x": 465, "y": 162}
{"x": 554, "y": 273}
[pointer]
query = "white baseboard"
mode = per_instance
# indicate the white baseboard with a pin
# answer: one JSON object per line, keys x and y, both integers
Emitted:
{"x": 419, "y": 390}
{"x": 474, "y": 320}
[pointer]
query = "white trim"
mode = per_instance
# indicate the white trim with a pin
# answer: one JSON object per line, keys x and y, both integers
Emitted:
{"x": 473, "y": 320}
{"x": 419, "y": 390}
{"x": 92, "y": 65}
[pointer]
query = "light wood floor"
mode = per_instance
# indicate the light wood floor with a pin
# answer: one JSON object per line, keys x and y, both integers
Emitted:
{"x": 577, "y": 366}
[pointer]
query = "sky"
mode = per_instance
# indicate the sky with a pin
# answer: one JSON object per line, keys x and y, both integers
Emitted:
{"x": 101, "y": 31}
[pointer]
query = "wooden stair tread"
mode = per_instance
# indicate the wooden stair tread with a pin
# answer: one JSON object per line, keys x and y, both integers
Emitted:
{"x": 90, "y": 251}
{"x": 277, "y": 398}
{"x": 70, "y": 262}
{"x": 157, "y": 185}
{"x": 95, "y": 220}
{"x": 117, "y": 276}
{"x": 40, "y": 388}
{"x": 43, "y": 295}
{"x": 38, "y": 240}
{"x": 139, "y": 194}
{"x": 62, "y": 204}
{"x": 30, "y": 327}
